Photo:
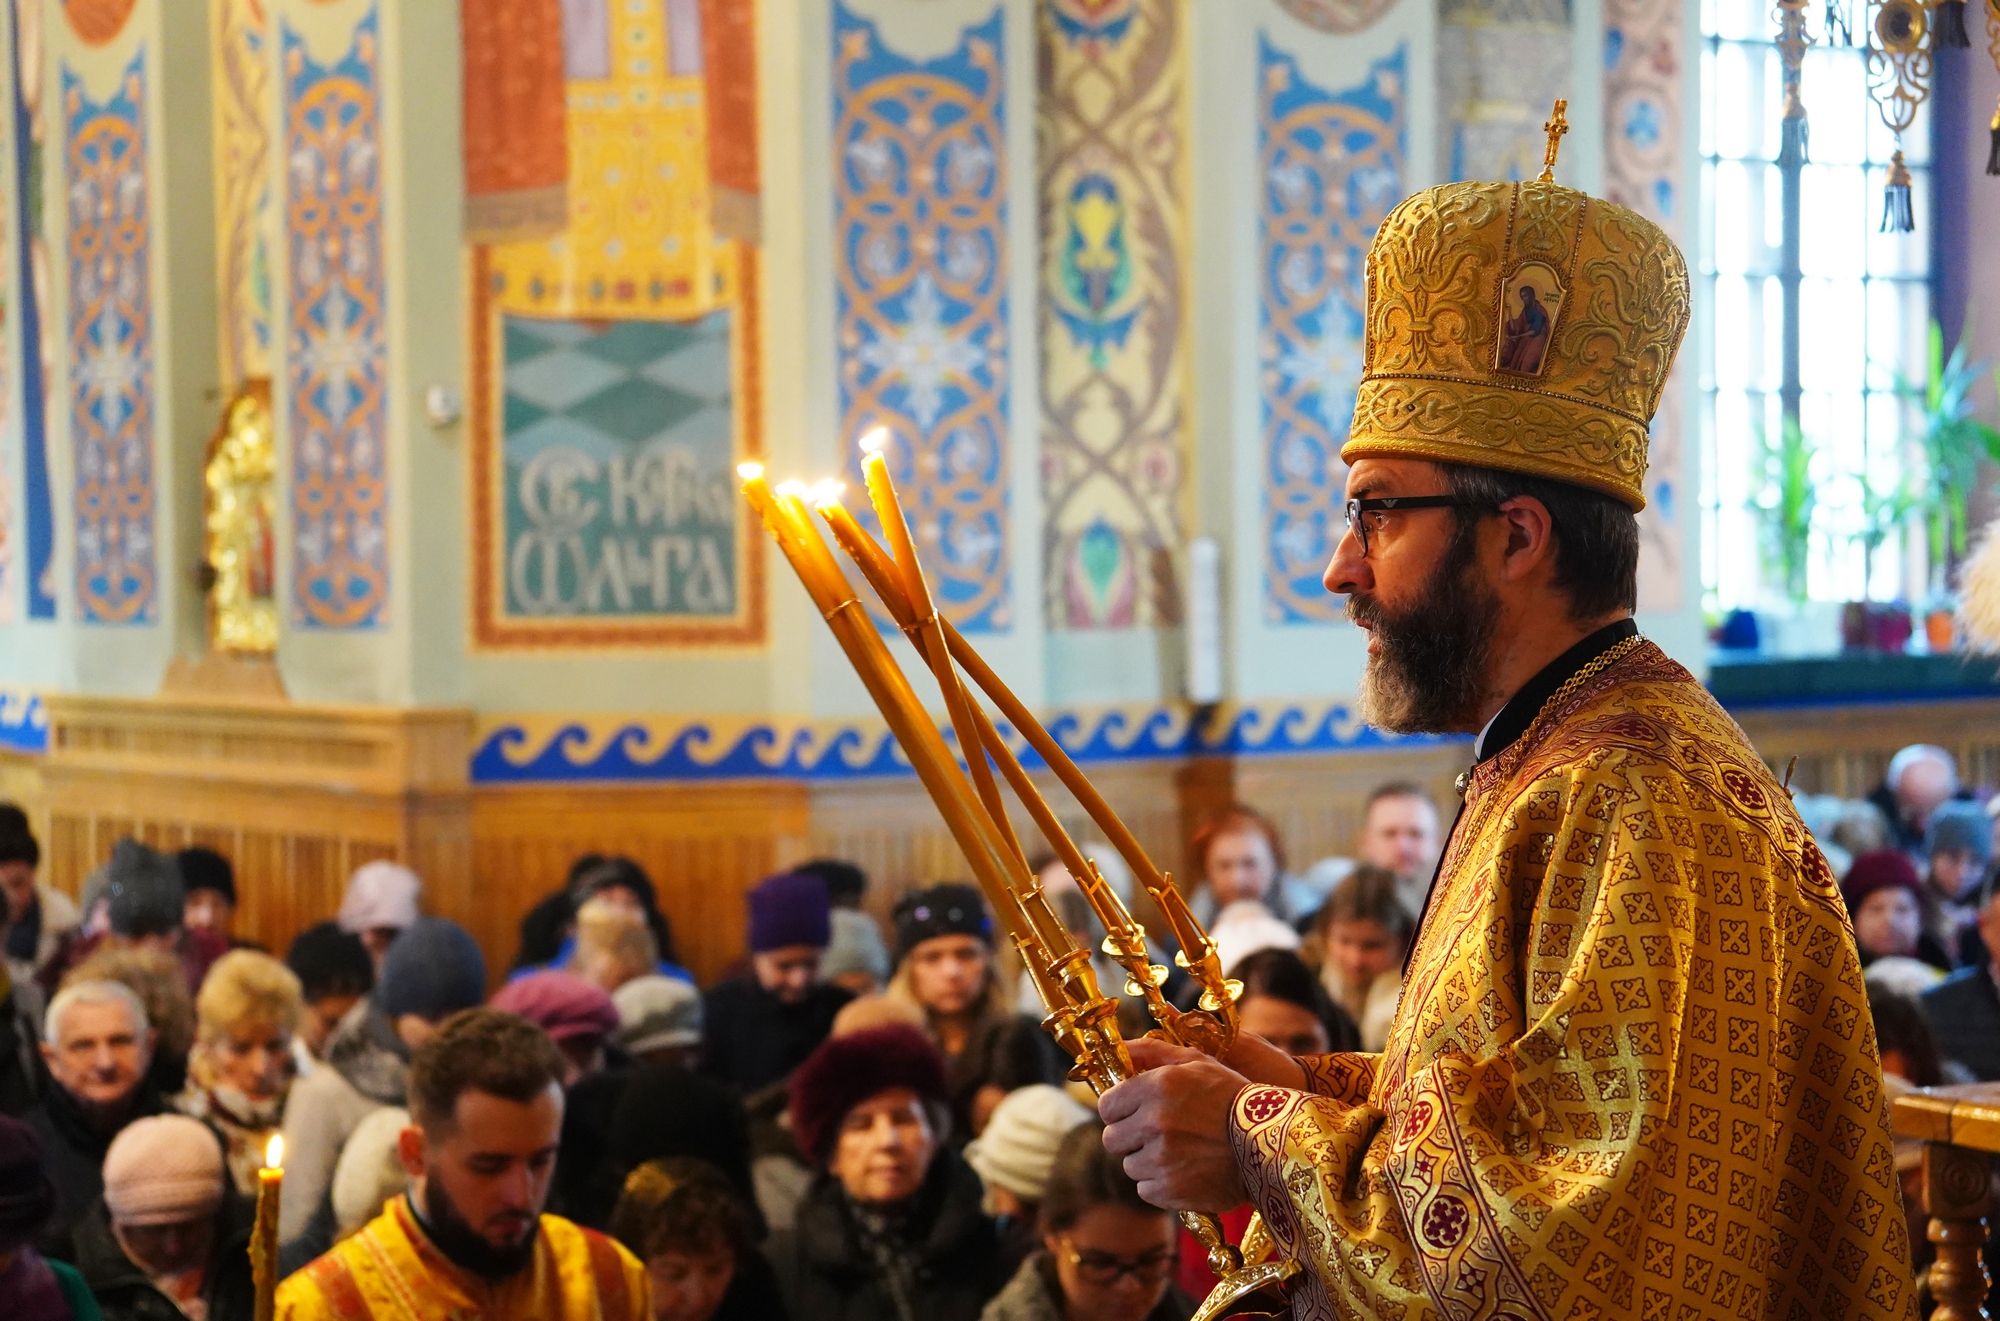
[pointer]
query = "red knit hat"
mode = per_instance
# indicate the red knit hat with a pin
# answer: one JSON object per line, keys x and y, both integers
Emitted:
{"x": 1882, "y": 869}
{"x": 845, "y": 1071}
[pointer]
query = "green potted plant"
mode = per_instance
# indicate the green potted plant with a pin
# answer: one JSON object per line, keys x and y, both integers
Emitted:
{"x": 1953, "y": 443}
{"x": 1786, "y": 502}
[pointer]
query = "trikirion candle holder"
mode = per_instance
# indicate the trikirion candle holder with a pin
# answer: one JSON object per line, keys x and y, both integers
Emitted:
{"x": 1078, "y": 1015}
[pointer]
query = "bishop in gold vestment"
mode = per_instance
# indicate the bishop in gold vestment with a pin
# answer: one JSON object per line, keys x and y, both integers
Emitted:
{"x": 1633, "y": 1071}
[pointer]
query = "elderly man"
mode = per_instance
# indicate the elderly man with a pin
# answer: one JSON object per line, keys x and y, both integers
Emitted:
{"x": 97, "y": 1046}
{"x": 168, "y": 1238}
{"x": 1921, "y": 778}
{"x": 470, "y": 1237}
{"x": 1631, "y": 1073}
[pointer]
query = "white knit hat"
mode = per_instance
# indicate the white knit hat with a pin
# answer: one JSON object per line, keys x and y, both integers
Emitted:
{"x": 380, "y": 894}
{"x": 1018, "y": 1148}
{"x": 369, "y": 1172}
{"x": 163, "y": 1170}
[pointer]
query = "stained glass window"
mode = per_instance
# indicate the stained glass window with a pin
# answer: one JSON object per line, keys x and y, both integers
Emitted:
{"x": 1863, "y": 311}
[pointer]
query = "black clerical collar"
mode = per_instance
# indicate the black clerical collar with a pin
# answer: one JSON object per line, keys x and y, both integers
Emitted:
{"x": 1526, "y": 704}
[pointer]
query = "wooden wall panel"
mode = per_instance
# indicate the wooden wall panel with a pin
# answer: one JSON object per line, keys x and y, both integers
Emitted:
{"x": 1845, "y": 750}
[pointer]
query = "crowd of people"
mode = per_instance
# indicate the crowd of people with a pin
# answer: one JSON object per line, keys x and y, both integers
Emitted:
{"x": 855, "y": 1122}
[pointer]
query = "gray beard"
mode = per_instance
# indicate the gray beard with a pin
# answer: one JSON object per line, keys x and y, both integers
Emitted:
{"x": 1429, "y": 671}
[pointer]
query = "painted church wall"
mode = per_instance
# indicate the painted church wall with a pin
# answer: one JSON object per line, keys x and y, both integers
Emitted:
{"x": 1066, "y": 251}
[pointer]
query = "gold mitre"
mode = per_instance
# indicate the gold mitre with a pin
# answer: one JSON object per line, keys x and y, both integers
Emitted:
{"x": 1523, "y": 326}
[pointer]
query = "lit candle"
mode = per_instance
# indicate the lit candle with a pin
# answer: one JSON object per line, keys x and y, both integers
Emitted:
{"x": 895, "y": 527}
{"x": 264, "y": 1235}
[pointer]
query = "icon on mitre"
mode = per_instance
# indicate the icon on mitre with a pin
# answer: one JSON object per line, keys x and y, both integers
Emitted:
{"x": 1531, "y": 302}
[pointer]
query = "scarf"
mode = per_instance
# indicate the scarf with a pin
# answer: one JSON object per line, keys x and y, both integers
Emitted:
{"x": 888, "y": 1248}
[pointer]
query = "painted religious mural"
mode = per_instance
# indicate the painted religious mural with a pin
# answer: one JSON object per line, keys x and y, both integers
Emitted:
{"x": 244, "y": 215}
{"x": 1113, "y": 144}
{"x": 1500, "y": 66}
{"x": 336, "y": 333}
{"x": 108, "y": 221}
{"x": 34, "y": 276}
{"x": 615, "y": 379}
{"x": 1331, "y": 165}
{"x": 921, "y": 255}
{"x": 1643, "y": 154}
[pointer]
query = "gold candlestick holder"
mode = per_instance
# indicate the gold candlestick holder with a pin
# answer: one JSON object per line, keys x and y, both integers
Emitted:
{"x": 1078, "y": 1014}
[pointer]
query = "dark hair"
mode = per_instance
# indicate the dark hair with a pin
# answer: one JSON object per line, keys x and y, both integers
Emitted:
{"x": 1396, "y": 789}
{"x": 1900, "y": 1026}
{"x": 679, "y": 1204}
{"x": 1283, "y": 975}
{"x": 17, "y": 837}
{"x": 1368, "y": 894}
{"x": 1596, "y": 535}
{"x": 845, "y": 882}
{"x": 1085, "y": 1175}
{"x": 1235, "y": 819}
{"x": 480, "y": 1050}
{"x": 329, "y": 961}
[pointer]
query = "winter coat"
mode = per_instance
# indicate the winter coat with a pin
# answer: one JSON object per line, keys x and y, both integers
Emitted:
{"x": 125, "y": 1294}
{"x": 366, "y": 1068}
{"x": 827, "y": 1273}
{"x": 1034, "y": 1295}
{"x": 751, "y": 1039}
{"x": 73, "y": 1151}
{"x": 20, "y": 1063}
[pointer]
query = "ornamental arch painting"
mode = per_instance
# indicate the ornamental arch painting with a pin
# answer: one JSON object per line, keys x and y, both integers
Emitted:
{"x": 920, "y": 253}
{"x": 615, "y": 363}
{"x": 1331, "y": 166}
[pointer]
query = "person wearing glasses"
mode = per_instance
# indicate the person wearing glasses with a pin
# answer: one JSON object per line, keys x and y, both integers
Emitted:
{"x": 1107, "y": 1253}
{"x": 1631, "y": 1072}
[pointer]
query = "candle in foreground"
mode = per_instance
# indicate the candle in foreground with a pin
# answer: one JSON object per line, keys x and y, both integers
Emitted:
{"x": 264, "y": 1235}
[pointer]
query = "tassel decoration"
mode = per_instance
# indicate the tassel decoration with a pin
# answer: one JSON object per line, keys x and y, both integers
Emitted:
{"x": 1950, "y": 18}
{"x": 1898, "y": 217}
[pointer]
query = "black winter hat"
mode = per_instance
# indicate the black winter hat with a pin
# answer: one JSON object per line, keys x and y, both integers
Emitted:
{"x": 205, "y": 869}
{"x": 951, "y": 909}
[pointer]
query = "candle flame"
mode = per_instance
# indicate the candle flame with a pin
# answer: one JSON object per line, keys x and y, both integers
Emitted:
{"x": 875, "y": 441}
{"x": 749, "y": 472}
{"x": 794, "y": 488}
{"x": 826, "y": 493}
{"x": 274, "y": 1152}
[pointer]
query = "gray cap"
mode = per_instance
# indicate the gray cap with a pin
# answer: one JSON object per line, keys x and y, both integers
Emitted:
{"x": 1961, "y": 827}
{"x": 857, "y": 946}
{"x": 657, "y": 1013}
{"x": 144, "y": 886}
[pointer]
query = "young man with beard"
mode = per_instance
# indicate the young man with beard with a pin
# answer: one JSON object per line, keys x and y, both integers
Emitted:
{"x": 469, "y": 1238}
{"x": 1631, "y": 1073}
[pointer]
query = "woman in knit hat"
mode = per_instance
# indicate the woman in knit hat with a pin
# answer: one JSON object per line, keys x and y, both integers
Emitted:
{"x": 944, "y": 966}
{"x": 891, "y": 1228}
{"x": 578, "y": 1016}
{"x": 1886, "y": 901}
{"x": 1106, "y": 1253}
{"x": 380, "y": 904}
{"x": 33, "y": 1288}
{"x": 169, "y": 1238}
{"x": 241, "y": 1069}
{"x": 1013, "y": 1158}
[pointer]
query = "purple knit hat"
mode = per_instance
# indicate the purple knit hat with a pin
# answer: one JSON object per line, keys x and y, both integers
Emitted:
{"x": 790, "y": 908}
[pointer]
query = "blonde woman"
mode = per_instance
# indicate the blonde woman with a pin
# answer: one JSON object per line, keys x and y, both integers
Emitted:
{"x": 613, "y": 944}
{"x": 242, "y": 1068}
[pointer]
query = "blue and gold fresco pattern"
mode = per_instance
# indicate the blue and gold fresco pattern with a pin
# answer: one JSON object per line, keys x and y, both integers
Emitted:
{"x": 613, "y": 748}
{"x": 920, "y": 216}
{"x": 111, "y": 347}
{"x": 1331, "y": 167}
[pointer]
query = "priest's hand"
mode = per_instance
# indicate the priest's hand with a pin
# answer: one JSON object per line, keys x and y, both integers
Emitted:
{"x": 1170, "y": 1126}
{"x": 1250, "y": 1055}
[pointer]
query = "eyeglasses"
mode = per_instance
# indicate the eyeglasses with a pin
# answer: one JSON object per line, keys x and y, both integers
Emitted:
{"x": 1104, "y": 1269}
{"x": 1358, "y": 523}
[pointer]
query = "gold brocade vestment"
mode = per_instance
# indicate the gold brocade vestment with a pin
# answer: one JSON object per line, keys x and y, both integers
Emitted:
{"x": 389, "y": 1271}
{"x": 1633, "y": 1073}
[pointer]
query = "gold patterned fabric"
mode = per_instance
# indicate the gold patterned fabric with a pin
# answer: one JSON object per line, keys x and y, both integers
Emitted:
{"x": 1521, "y": 326}
{"x": 1633, "y": 1073}
{"x": 389, "y": 1271}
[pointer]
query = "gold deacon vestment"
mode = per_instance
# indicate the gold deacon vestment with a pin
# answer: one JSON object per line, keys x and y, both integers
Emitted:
{"x": 390, "y": 1271}
{"x": 1633, "y": 1073}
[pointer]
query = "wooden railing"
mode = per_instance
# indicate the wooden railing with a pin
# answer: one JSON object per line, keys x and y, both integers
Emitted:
{"x": 1960, "y": 1129}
